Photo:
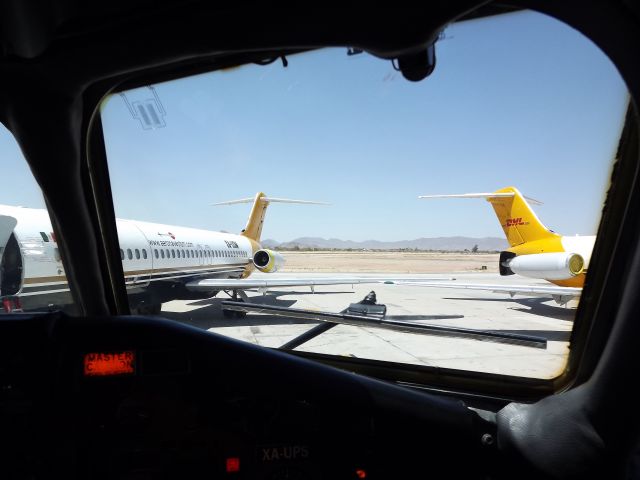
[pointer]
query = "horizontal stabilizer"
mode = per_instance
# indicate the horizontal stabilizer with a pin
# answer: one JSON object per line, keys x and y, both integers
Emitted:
{"x": 287, "y": 200}
{"x": 533, "y": 201}
{"x": 269, "y": 200}
{"x": 253, "y": 230}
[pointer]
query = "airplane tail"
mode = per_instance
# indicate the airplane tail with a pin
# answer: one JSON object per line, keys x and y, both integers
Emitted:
{"x": 518, "y": 221}
{"x": 253, "y": 230}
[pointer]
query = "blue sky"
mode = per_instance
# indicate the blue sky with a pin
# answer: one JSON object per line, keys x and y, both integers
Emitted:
{"x": 519, "y": 100}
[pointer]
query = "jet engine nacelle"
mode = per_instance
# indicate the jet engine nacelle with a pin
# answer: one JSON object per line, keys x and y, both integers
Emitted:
{"x": 268, "y": 261}
{"x": 549, "y": 266}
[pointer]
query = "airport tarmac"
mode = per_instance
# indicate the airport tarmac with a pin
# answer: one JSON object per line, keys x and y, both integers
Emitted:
{"x": 438, "y": 306}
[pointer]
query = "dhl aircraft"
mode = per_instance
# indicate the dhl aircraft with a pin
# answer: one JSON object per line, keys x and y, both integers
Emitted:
{"x": 534, "y": 250}
{"x": 160, "y": 262}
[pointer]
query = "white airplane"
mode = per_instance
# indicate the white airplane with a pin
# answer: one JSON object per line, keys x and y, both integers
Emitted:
{"x": 534, "y": 250}
{"x": 160, "y": 262}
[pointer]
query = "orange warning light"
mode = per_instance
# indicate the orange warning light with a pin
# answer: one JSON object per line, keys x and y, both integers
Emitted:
{"x": 100, "y": 364}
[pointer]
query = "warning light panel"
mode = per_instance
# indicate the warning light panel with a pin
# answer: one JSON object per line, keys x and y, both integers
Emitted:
{"x": 102, "y": 364}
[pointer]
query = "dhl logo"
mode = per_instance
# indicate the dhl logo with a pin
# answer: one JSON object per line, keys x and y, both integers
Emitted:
{"x": 512, "y": 222}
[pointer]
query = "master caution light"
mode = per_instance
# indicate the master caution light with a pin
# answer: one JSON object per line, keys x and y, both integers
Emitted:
{"x": 233, "y": 464}
{"x": 102, "y": 364}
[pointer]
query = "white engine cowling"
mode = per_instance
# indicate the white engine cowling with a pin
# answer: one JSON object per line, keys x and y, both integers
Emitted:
{"x": 549, "y": 266}
{"x": 268, "y": 261}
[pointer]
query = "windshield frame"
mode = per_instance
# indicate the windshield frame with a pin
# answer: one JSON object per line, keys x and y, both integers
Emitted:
{"x": 583, "y": 346}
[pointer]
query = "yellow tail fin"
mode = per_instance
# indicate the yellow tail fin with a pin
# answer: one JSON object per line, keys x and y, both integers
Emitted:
{"x": 253, "y": 230}
{"x": 518, "y": 221}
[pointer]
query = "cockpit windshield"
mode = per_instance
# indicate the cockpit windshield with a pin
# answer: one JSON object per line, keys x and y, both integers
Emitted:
{"x": 322, "y": 202}
{"x": 465, "y": 201}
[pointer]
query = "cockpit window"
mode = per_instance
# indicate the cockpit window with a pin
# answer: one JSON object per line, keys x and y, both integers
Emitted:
{"x": 463, "y": 206}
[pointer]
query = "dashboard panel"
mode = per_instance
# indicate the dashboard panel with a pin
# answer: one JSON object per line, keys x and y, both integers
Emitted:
{"x": 173, "y": 401}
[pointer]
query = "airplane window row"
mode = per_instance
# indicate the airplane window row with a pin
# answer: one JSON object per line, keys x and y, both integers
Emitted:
{"x": 173, "y": 253}
{"x": 131, "y": 252}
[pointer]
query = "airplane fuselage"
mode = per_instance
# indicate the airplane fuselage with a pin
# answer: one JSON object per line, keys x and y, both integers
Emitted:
{"x": 158, "y": 260}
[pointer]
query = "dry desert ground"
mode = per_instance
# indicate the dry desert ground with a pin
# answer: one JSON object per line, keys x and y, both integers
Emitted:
{"x": 389, "y": 262}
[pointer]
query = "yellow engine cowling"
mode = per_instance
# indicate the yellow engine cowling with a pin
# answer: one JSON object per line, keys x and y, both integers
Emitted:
{"x": 548, "y": 266}
{"x": 268, "y": 261}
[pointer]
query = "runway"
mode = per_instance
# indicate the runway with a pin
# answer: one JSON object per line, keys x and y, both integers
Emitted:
{"x": 447, "y": 307}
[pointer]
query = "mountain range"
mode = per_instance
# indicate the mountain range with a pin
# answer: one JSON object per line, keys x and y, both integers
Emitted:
{"x": 437, "y": 243}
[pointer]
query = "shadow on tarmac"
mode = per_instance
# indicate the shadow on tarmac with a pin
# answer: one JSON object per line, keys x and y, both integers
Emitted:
{"x": 210, "y": 314}
{"x": 535, "y": 306}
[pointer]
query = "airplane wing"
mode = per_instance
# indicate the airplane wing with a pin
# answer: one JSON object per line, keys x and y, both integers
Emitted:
{"x": 560, "y": 294}
{"x": 206, "y": 285}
